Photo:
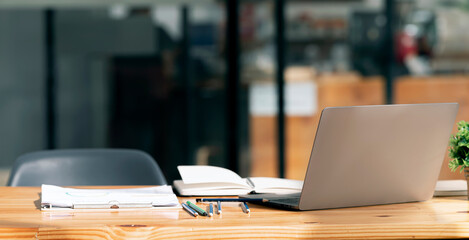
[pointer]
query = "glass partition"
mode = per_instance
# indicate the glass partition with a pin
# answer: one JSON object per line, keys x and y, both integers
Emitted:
{"x": 153, "y": 75}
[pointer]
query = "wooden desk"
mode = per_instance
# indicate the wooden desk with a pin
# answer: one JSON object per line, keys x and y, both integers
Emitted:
{"x": 21, "y": 218}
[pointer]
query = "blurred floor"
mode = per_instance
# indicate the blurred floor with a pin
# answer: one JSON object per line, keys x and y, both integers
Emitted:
{"x": 4, "y": 173}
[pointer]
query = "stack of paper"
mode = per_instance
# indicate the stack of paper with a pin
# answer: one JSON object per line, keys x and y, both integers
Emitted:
{"x": 55, "y": 197}
{"x": 451, "y": 188}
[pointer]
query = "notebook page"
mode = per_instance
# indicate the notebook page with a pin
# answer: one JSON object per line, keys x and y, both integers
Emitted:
{"x": 209, "y": 174}
{"x": 261, "y": 184}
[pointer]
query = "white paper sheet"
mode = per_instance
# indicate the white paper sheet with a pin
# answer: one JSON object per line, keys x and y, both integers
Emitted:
{"x": 209, "y": 174}
{"x": 60, "y": 197}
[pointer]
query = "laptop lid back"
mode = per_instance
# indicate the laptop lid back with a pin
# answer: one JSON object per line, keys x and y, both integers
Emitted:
{"x": 367, "y": 155}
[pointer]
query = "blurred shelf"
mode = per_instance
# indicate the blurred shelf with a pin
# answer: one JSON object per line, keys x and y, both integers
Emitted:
{"x": 73, "y": 4}
{"x": 316, "y": 38}
{"x": 326, "y": 1}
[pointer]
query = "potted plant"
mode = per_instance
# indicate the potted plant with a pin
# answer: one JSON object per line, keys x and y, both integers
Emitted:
{"x": 459, "y": 150}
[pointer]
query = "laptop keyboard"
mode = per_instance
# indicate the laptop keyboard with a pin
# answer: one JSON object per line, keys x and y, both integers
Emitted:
{"x": 288, "y": 201}
{"x": 285, "y": 201}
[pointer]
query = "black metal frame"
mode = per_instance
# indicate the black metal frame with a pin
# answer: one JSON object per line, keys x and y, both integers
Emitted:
{"x": 189, "y": 86}
{"x": 232, "y": 48}
{"x": 233, "y": 82}
{"x": 389, "y": 67}
{"x": 50, "y": 78}
{"x": 280, "y": 80}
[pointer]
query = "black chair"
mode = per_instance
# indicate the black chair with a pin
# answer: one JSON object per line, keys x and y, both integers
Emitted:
{"x": 86, "y": 167}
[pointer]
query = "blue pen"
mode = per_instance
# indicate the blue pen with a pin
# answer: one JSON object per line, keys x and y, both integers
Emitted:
{"x": 231, "y": 200}
{"x": 219, "y": 207}
{"x": 210, "y": 210}
{"x": 245, "y": 207}
{"x": 189, "y": 210}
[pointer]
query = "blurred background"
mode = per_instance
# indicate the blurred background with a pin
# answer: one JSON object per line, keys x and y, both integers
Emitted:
{"x": 201, "y": 81}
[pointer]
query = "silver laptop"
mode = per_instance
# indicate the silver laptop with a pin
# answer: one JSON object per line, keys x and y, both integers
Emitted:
{"x": 369, "y": 155}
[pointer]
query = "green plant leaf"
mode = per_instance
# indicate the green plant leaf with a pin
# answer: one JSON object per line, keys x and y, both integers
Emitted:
{"x": 459, "y": 147}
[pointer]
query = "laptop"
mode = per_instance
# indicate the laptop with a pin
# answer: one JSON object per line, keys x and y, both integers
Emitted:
{"x": 370, "y": 155}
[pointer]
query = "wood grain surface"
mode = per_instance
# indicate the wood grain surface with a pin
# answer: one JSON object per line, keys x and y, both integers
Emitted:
{"x": 439, "y": 218}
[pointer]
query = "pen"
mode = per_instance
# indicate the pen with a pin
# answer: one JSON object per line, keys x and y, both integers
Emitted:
{"x": 197, "y": 209}
{"x": 189, "y": 210}
{"x": 218, "y": 207}
{"x": 231, "y": 200}
{"x": 245, "y": 208}
{"x": 210, "y": 211}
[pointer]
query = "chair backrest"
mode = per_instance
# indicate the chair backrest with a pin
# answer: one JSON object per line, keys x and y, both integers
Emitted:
{"x": 86, "y": 167}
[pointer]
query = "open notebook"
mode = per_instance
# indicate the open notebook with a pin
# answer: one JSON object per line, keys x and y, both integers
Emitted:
{"x": 216, "y": 181}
